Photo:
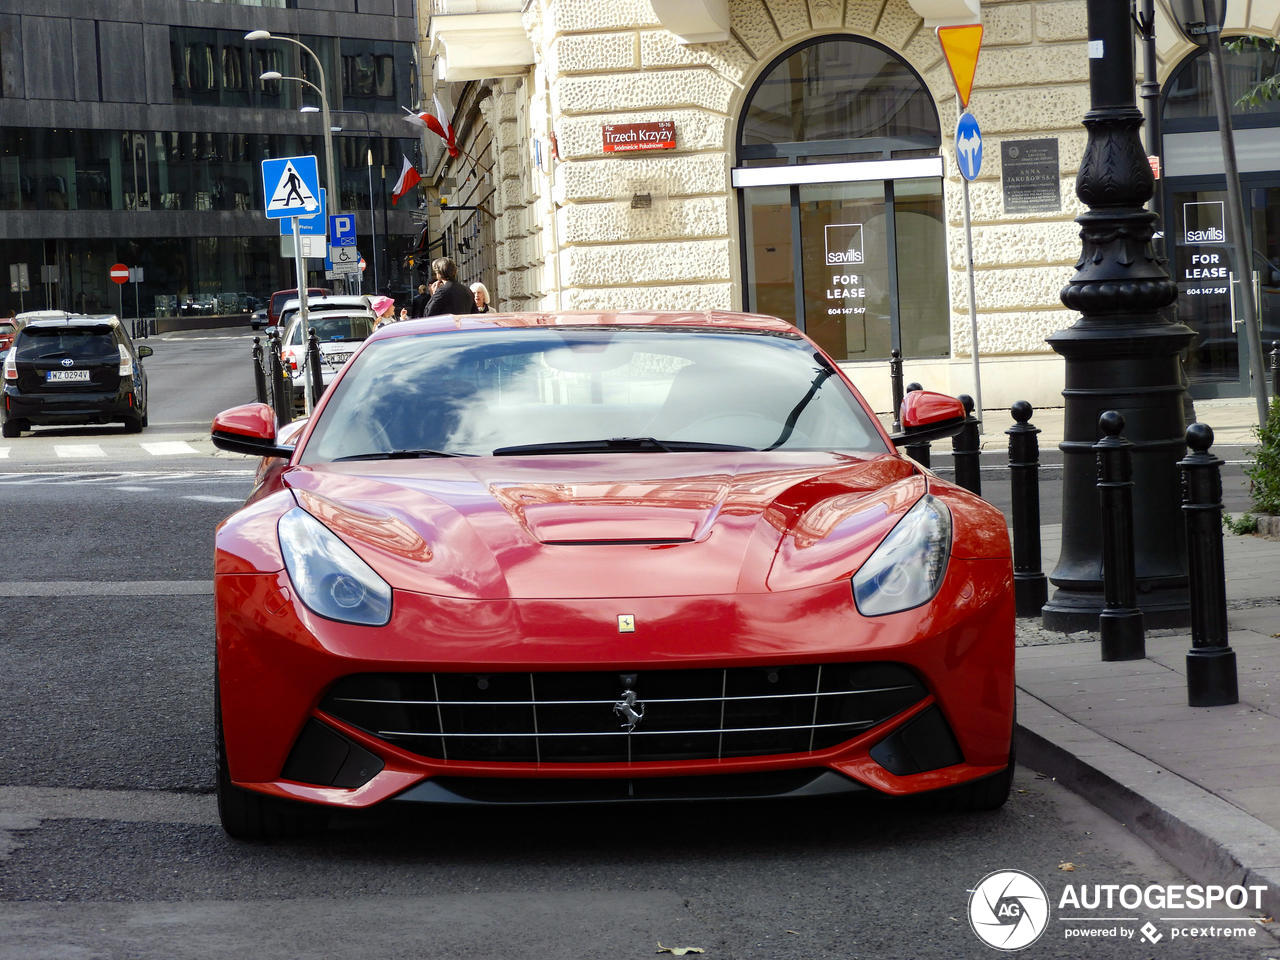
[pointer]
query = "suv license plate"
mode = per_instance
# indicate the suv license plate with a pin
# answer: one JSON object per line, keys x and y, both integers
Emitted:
{"x": 56, "y": 375}
{"x": 337, "y": 357}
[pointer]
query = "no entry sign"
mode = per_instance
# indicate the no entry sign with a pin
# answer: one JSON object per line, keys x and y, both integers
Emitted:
{"x": 120, "y": 273}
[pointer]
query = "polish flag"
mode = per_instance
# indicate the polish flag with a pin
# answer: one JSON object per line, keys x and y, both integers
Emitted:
{"x": 409, "y": 178}
{"x": 433, "y": 123}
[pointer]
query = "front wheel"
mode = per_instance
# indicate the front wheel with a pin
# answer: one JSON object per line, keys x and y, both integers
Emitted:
{"x": 248, "y": 815}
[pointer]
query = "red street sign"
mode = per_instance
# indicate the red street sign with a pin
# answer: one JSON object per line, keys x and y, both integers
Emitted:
{"x": 620, "y": 137}
{"x": 120, "y": 273}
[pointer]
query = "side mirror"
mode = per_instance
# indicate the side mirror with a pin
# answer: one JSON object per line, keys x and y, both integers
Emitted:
{"x": 927, "y": 416}
{"x": 144, "y": 352}
{"x": 251, "y": 429}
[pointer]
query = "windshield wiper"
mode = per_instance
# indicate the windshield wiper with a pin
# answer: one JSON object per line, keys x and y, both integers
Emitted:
{"x": 400, "y": 455}
{"x": 614, "y": 445}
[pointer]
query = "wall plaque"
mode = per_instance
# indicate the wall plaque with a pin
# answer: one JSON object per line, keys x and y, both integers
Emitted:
{"x": 1029, "y": 175}
{"x": 623, "y": 137}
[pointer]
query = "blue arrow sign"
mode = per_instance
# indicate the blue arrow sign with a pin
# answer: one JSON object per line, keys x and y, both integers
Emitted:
{"x": 968, "y": 146}
{"x": 312, "y": 226}
{"x": 342, "y": 230}
{"x": 291, "y": 187}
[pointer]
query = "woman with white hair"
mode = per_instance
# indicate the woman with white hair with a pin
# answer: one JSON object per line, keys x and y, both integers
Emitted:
{"x": 481, "y": 294}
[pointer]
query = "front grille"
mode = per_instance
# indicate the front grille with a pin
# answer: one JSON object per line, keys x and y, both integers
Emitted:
{"x": 578, "y": 717}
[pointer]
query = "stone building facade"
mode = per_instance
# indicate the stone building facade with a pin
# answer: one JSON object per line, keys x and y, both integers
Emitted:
{"x": 795, "y": 122}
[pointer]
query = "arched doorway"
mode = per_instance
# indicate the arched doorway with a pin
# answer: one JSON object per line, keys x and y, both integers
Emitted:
{"x": 839, "y": 183}
{"x": 1194, "y": 199}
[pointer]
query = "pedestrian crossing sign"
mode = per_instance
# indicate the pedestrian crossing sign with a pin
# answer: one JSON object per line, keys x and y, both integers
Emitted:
{"x": 291, "y": 187}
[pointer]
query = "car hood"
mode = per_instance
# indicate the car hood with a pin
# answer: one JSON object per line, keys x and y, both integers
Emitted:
{"x": 630, "y": 525}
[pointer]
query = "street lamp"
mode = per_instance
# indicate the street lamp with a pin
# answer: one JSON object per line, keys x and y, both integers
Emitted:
{"x": 1201, "y": 22}
{"x": 1122, "y": 354}
{"x": 335, "y": 190}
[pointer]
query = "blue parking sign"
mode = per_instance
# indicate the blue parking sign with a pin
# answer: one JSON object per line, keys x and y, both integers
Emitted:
{"x": 342, "y": 230}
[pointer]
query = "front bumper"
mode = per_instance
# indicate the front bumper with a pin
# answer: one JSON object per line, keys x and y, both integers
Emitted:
{"x": 278, "y": 661}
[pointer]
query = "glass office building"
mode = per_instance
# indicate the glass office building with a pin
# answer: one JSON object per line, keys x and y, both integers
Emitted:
{"x": 140, "y": 142}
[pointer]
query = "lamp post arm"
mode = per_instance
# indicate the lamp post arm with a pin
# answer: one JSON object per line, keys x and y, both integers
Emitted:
{"x": 335, "y": 191}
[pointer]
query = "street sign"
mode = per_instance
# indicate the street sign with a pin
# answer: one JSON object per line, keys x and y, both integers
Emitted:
{"x": 120, "y": 273}
{"x": 345, "y": 259}
{"x": 968, "y": 146}
{"x": 290, "y": 186}
{"x": 342, "y": 230}
{"x": 960, "y": 45}
{"x": 312, "y": 247}
{"x": 135, "y": 274}
{"x": 19, "y": 279}
{"x": 312, "y": 226}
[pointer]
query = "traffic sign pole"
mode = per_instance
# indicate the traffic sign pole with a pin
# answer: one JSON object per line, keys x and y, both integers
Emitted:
{"x": 300, "y": 271}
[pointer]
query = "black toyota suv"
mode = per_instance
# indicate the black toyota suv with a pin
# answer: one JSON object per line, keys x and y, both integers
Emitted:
{"x": 74, "y": 369}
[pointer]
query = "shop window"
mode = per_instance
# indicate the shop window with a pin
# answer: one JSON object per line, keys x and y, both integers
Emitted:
{"x": 852, "y": 252}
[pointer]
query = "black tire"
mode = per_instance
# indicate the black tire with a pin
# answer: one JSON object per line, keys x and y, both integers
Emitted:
{"x": 989, "y": 793}
{"x": 12, "y": 428}
{"x": 145, "y": 419}
{"x": 133, "y": 424}
{"x": 247, "y": 815}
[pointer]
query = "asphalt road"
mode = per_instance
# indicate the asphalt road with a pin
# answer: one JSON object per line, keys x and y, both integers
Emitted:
{"x": 109, "y": 844}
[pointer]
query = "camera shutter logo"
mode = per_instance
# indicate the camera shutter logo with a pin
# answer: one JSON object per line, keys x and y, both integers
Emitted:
{"x": 843, "y": 244}
{"x": 1008, "y": 910}
{"x": 1204, "y": 222}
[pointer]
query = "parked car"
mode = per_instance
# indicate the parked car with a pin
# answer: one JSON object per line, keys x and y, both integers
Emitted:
{"x": 74, "y": 369}
{"x": 332, "y": 301}
{"x": 7, "y": 329}
{"x": 583, "y": 557}
{"x": 280, "y": 296}
{"x": 258, "y": 319}
{"x": 338, "y": 331}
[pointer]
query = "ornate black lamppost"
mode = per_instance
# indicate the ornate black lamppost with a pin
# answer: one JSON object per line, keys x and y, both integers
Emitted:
{"x": 1122, "y": 354}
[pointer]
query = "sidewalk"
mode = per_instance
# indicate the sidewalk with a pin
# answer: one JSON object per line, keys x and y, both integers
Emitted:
{"x": 1200, "y": 785}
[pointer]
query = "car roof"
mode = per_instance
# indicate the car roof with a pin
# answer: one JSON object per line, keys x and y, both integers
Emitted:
{"x": 69, "y": 320}
{"x": 721, "y": 319}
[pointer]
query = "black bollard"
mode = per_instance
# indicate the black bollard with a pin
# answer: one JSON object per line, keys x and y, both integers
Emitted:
{"x": 895, "y": 386}
{"x": 1120, "y": 623}
{"x": 966, "y": 450}
{"x": 316, "y": 374}
{"x": 1211, "y": 663}
{"x": 1275, "y": 368}
{"x": 259, "y": 373}
{"x": 1030, "y": 585}
{"x": 919, "y": 452}
{"x": 281, "y": 388}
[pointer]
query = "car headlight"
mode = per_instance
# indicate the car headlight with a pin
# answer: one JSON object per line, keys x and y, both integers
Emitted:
{"x": 329, "y": 576}
{"x": 907, "y": 568}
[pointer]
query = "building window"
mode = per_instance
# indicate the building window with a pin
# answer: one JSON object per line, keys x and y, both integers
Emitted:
{"x": 840, "y": 190}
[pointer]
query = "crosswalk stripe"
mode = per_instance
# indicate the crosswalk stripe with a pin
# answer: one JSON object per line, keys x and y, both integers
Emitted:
{"x": 4, "y": 453}
{"x": 78, "y": 451}
{"x": 169, "y": 448}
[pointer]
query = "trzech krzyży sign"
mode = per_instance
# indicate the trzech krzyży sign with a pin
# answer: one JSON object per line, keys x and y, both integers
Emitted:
{"x": 655, "y": 135}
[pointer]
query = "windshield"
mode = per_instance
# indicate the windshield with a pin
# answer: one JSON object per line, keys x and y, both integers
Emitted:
{"x": 471, "y": 393}
{"x": 334, "y": 328}
{"x": 45, "y": 343}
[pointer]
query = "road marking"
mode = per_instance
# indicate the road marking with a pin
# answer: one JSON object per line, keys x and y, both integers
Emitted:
{"x": 136, "y": 489}
{"x": 169, "y": 448}
{"x": 78, "y": 451}
{"x": 4, "y": 453}
{"x": 124, "y": 476}
{"x": 212, "y": 499}
{"x": 106, "y": 588}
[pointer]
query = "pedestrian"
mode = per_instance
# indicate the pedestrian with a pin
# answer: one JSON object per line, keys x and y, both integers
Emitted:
{"x": 418, "y": 305}
{"x": 480, "y": 293}
{"x": 449, "y": 296}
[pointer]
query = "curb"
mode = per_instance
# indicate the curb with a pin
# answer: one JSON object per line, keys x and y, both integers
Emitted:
{"x": 1204, "y": 836}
